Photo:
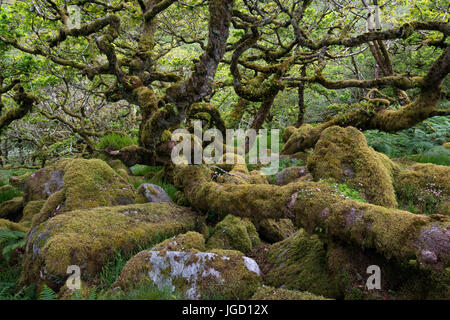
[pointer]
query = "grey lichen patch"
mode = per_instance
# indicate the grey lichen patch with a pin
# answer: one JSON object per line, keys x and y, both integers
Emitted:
{"x": 152, "y": 193}
{"x": 194, "y": 275}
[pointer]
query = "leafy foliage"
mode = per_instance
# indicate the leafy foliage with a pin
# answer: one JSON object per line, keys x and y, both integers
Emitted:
{"x": 11, "y": 240}
{"x": 47, "y": 293}
{"x": 9, "y": 194}
{"x": 349, "y": 192}
{"x": 116, "y": 141}
{"x": 422, "y": 139}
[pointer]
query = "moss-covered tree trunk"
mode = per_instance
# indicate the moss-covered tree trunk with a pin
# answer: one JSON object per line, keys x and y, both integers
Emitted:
{"x": 393, "y": 233}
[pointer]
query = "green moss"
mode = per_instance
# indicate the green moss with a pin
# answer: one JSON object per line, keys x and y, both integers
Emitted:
{"x": 183, "y": 242}
{"x": 121, "y": 169}
{"x": 53, "y": 206}
{"x": 88, "y": 238}
{"x": 8, "y": 225}
{"x": 275, "y": 230}
{"x": 18, "y": 182}
{"x": 234, "y": 233}
{"x": 342, "y": 154}
{"x": 12, "y": 209}
{"x": 92, "y": 183}
{"x": 271, "y": 293}
{"x": 31, "y": 209}
{"x": 426, "y": 186}
{"x": 299, "y": 263}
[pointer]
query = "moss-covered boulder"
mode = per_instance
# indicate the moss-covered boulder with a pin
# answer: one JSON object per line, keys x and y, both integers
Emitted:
{"x": 290, "y": 174}
{"x": 12, "y": 209}
{"x": 234, "y": 233}
{"x": 18, "y": 182}
{"x": 342, "y": 154}
{"x": 257, "y": 177}
{"x": 275, "y": 230}
{"x": 120, "y": 168}
{"x": 7, "y": 225}
{"x": 271, "y": 293}
{"x": 43, "y": 183}
{"x": 90, "y": 238}
{"x": 151, "y": 193}
{"x": 223, "y": 274}
{"x": 72, "y": 184}
{"x": 426, "y": 186}
{"x": 31, "y": 210}
{"x": 84, "y": 183}
{"x": 183, "y": 242}
{"x": 405, "y": 281}
{"x": 300, "y": 263}
{"x": 287, "y": 133}
{"x": 92, "y": 183}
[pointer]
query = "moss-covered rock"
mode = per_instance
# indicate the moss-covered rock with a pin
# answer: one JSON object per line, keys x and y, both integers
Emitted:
{"x": 234, "y": 233}
{"x": 12, "y": 209}
{"x": 300, "y": 263}
{"x": 120, "y": 168}
{"x": 89, "y": 238}
{"x": 183, "y": 242}
{"x": 288, "y": 133}
{"x": 290, "y": 174}
{"x": 349, "y": 264}
{"x": 257, "y": 177}
{"x": 31, "y": 209}
{"x": 8, "y": 225}
{"x": 271, "y": 293}
{"x": 275, "y": 230}
{"x": 43, "y": 183}
{"x": 92, "y": 183}
{"x": 82, "y": 184}
{"x": 427, "y": 186}
{"x": 52, "y": 207}
{"x": 342, "y": 154}
{"x": 18, "y": 182}
{"x": 151, "y": 193}
{"x": 216, "y": 274}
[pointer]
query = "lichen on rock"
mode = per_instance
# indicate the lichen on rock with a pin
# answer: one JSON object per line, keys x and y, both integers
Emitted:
{"x": 222, "y": 274}
{"x": 151, "y": 193}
